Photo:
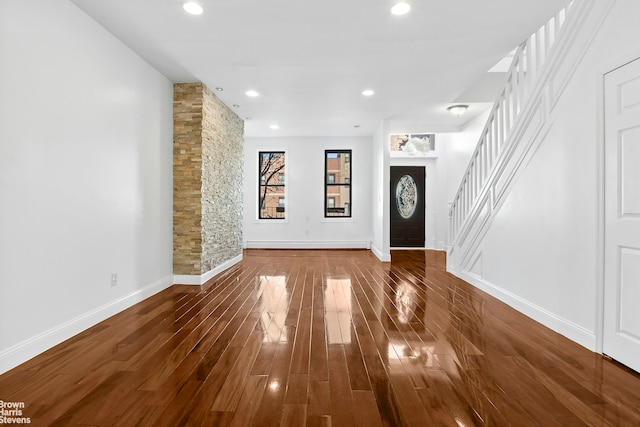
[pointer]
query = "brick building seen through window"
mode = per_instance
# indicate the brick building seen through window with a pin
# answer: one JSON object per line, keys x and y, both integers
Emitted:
{"x": 337, "y": 189}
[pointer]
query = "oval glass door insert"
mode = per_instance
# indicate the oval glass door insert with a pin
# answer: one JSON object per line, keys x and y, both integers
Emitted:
{"x": 406, "y": 196}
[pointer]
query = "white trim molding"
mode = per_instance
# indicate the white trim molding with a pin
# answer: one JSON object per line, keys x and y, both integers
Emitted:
{"x": 307, "y": 244}
{"x": 551, "y": 320}
{"x": 180, "y": 279}
{"x": 382, "y": 256}
{"x": 29, "y": 348}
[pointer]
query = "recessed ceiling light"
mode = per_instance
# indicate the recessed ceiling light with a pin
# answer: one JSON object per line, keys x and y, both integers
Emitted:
{"x": 252, "y": 93}
{"x": 219, "y": 89}
{"x": 248, "y": 118}
{"x": 368, "y": 92}
{"x": 236, "y": 106}
{"x": 274, "y": 127}
{"x": 400, "y": 8}
{"x": 356, "y": 126}
{"x": 193, "y": 8}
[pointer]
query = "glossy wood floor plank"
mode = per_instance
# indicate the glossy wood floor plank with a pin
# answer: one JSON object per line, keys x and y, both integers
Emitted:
{"x": 323, "y": 338}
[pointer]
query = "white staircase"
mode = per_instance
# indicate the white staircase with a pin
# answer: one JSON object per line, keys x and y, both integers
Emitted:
{"x": 541, "y": 67}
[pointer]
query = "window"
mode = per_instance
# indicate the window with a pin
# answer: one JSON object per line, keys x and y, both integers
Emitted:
{"x": 271, "y": 180}
{"x": 337, "y": 188}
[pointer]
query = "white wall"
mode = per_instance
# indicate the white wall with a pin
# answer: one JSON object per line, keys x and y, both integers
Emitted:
{"x": 542, "y": 248}
{"x": 305, "y": 225}
{"x": 380, "y": 200}
{"x": 305, "y": 163}
{"x": 85, "y": 176}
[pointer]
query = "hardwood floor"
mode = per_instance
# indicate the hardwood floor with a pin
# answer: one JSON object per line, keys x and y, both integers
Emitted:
{"x": 323, "y": 338}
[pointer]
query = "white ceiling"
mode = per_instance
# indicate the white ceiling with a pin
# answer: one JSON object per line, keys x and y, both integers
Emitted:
{"x": 310, "y": 60}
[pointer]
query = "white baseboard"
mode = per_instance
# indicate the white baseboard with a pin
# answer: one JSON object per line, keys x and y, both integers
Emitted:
{"x": 181, "y": 279}
{"x": 442, "y": 246}
{"x": 27, "y": 349}
{"x": 307, "y": 244}
{"x": 384, "y": 257}
{"x": 558, "y": 324}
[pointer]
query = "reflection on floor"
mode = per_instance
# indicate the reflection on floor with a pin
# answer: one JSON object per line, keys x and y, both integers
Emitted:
{"x": 323, "y": 338}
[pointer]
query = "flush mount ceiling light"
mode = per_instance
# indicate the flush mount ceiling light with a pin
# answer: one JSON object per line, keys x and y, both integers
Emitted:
{"x": 367, "y": 92}
{"x": 400, "y": 8}
{"x": 252, "y": 93}
{"x": 458, "y": 110}
{"x": 192, "y": 8}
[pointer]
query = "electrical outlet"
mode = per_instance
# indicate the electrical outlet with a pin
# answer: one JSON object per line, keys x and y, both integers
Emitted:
{"x": 114, "y": 279}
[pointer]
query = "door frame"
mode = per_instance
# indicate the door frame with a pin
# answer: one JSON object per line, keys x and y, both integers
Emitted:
{"x": 600, "y": 156}
{"x": 435, "y": 237}
{"x": 424, "y": 195}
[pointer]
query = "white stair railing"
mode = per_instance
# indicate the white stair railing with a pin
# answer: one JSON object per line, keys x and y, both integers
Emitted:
{"x": 523, "y": 75}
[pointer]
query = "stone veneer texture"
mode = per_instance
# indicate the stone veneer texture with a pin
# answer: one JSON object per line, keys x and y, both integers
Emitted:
{"x": 207, "y": 180}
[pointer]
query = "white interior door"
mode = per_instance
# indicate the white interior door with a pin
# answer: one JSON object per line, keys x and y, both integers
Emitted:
{"x": 621, "y": 339}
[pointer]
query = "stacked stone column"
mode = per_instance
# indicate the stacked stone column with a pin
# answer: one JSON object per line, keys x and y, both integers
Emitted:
{"x": 207, "y": 180}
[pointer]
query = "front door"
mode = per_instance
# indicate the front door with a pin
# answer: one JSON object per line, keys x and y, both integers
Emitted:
{"x": 407, "y": 206}
{"x": 621, "y": 339}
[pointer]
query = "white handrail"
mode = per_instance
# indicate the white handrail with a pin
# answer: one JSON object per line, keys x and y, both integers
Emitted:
{"x": 524, "y": 72}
